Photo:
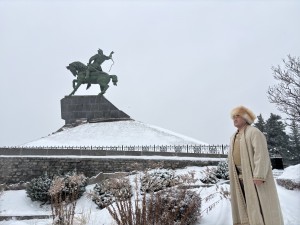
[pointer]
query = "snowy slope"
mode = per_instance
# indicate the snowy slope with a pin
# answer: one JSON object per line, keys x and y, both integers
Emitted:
{"x": 114, "y": 134}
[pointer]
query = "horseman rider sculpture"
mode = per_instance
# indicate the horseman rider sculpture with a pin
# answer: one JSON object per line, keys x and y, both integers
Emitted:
{"x": 92, "y": 72}
{"x": 95, "y": 62}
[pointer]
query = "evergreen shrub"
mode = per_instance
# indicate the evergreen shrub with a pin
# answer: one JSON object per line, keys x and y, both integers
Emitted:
{"x": 38, "y": 188}
{"x": 222, "y": 171}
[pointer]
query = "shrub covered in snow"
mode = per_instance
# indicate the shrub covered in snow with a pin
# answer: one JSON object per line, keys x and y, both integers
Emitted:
{"x": 222, "y": 171}
{"x": 157, "y": 180}
{"x": 170, "y": 206}
{"x": 37, "y": 189}
{"x": 209, "y": 176}
{"x": 288, "y": 184}
{"x": 64, "y": 192}
{"x": 290, "y": 178}
{"x": 174, "y": 206}
{"x": 108, "y": 190}
{"x": 73, "y": 182}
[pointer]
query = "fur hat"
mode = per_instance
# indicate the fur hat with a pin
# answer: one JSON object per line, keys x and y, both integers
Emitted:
{"x": 245, "y": 113}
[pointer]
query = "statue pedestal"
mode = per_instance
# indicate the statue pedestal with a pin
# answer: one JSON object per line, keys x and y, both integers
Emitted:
{"x": 91, "y": 108}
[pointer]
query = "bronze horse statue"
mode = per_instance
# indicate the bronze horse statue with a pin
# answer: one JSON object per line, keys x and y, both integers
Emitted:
{"x": 98, "y": 77}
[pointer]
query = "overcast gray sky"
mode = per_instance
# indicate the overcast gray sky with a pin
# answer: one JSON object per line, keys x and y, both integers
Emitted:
{"x": 182, "y": 65}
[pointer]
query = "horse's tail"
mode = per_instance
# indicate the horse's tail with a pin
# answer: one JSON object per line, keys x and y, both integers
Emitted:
{"x": 114, "y": 79}
{"x": 88, "y": 86}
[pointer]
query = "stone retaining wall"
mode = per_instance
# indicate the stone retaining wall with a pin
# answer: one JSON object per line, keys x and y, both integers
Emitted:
{"x": 15, "y": 169}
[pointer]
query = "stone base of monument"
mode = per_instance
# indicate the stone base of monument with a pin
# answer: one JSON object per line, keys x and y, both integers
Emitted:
{"x": 89, "y": 108}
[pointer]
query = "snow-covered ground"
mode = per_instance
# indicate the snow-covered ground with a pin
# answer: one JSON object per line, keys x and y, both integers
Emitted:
{"x": 291, "y": 173}
{"x": 16, "y": 203}
{"x": 114, "y": 134}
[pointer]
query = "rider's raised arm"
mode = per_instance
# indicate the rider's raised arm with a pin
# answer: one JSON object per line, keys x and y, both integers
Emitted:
{"x": 107, "y": 57}
{"x": 93, "y": 58}
{"x": 110, "y": 55}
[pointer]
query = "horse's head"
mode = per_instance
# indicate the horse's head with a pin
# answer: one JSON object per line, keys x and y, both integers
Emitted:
{"x": 72, "y": 69}
{"x": 76, "y": 67}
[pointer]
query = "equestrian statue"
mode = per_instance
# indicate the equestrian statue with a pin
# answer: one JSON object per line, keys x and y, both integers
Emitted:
{"x": 92, "y": 73}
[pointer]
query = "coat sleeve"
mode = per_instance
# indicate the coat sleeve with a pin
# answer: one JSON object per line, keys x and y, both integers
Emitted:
{"x": 261, "y": 155}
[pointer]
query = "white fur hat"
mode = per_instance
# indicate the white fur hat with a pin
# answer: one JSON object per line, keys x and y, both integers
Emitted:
{"x": 245, "y": 113}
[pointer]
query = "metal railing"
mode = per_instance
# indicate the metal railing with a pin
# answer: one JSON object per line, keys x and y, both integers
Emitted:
{"x": 192, "y": 149}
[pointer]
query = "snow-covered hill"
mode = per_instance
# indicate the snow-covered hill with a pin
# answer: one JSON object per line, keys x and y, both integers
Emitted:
{"x": 116, "y": 133}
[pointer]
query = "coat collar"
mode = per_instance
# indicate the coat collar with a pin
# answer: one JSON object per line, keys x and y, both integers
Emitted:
{"x": 242, "y": 130}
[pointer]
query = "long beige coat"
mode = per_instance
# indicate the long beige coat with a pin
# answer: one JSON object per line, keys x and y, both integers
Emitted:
{"x": 261, "y": 204}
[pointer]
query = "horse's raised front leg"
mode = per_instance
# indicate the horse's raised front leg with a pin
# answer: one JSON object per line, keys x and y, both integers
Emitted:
{"x": 74, "y": 83}
{"x": 75, "y": 88}
{"x": 103, "y": 89}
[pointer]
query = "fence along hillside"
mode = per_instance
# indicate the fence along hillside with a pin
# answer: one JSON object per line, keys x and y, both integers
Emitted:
{"x": 172, "y": 150}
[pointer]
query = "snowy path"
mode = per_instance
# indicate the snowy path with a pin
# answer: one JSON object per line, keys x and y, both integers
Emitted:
{"x": 290, "y": 205}
{"x": 16, "y": 203}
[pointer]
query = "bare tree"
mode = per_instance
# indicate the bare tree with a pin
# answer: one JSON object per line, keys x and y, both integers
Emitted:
{"x": 286, "y": 94}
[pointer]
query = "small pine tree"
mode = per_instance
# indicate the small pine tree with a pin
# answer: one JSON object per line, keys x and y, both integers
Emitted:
{"x": 294, "y": 146}
{"x": 277, "y": 139}
{"x": 260, "y": 124}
